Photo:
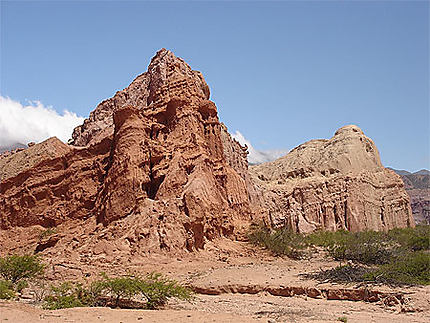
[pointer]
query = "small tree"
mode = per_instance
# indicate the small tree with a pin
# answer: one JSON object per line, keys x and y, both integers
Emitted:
{"x": 119, "y": 287}
{"x": 15, "y": 268}
{"x": 157, "y": 290}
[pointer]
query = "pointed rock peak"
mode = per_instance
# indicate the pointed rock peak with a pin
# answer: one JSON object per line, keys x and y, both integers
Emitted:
{"x": 169, "y": 73}
{"x": 168, "y": 79}
{"x": 163, "y": 55}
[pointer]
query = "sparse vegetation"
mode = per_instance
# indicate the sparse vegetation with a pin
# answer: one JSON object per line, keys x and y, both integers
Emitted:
{"x": 46, "y": 233}
{"x": 412, "y": 268}
{"x": 340, "y": 274}
{"x": 64, "y": 296}
{"x": 6, "y": 290}
{"x": 343, "y": 319}
{"x": 157, "y": 290}
{"x": 152, "y": 291}
{"x": 399, "y": 256}
{"x": 280, "y": 242}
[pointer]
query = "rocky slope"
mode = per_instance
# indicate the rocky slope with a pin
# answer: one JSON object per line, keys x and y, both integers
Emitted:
{"x": 418, "y": 187}
{"x": 155, "y": 155}
{"x": 333, "y": 184}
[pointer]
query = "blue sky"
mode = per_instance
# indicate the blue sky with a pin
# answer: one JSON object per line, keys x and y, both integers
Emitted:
{"x": 280, "y": 72}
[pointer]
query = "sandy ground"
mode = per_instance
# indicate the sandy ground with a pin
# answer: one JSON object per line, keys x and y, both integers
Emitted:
{"x": 227, "y": 263}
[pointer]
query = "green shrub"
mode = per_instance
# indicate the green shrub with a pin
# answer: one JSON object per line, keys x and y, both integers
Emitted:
{"x": 399, "y": 256}
{"x": 6, "y": 290}
{"x": 413, "y": 239}
{"x": 154, "y": 289}
{"x": 119, "y": 287}
{"x": 280, "y": 242}
{"x": 90, "y": 296}
{"x": 326, "y": 238}
{"x": 367, "y": 247}
{"x": 157, "y": 290}
{"x": 64, "y": 296}
{"x": 20, "y": 285}
{"x": 412, "y": 268}
{"x": 14, "y": 268}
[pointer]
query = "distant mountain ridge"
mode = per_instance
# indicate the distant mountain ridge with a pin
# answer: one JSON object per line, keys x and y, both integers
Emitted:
{"x": 417, "y": 180}
{"x": 417, "y": 185}
{"x": 12, "y": 147}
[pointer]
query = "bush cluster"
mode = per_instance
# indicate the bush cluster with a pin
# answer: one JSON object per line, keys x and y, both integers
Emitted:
{"x": 399, "y": 256}
{"x": 151, "y": 291}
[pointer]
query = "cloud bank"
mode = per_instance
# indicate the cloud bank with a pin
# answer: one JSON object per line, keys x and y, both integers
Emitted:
{"x": 258, "y": 156}
{"x": 34, "y": 122}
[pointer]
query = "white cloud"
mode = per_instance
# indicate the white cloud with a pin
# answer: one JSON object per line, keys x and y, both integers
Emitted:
{"x": 33, "y": 122}
{"x": 258, "y": 156}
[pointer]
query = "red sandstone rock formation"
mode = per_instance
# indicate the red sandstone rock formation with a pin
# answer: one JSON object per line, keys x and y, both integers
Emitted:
{"x": 50, "y": 183}
{"x": 333, "y": 184}
{"x": 155, "y": 155}
{"x": 153, "y": 168}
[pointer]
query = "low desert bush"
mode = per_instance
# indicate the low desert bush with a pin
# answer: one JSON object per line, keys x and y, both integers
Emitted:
{"x": 367, "y": 247}
{"x": 411, "y": 269}
{"x": 280, "y": 242}
{"x": 412, "y": 239}
{"x": 63, "y": 296}
{"x": 326, "y": 238}
{"x": 157, "y": 290}
{"x": 151, "y": 291}
{"x": 118, "y": 287}
{"x": 6, "y": 290}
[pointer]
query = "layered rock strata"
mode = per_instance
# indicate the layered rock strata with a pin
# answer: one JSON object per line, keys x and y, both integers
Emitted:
{"x": 154, "y": 155}
{"x": 333, "y": 184}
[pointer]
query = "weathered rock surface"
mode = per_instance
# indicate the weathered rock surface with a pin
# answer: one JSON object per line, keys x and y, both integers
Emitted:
{"x": 16, "y": 161}
{"x": 333, "y": 184}
{"x": 155, "y": 155}
{"x": 50, "y": 183}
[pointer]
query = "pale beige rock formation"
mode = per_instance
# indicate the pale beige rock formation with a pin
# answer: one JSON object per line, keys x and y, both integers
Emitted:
{"x": 333, "y": 184}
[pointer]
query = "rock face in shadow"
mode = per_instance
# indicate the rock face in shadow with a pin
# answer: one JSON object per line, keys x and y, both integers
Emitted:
{"x": 155, "y": 156}
{"x": 333, "y": 184}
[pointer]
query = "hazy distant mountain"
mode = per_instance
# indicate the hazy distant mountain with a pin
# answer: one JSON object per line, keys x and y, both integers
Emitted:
{"x": 418, "y": 187}
{"x": 400, "y": 171}
{"x": 12, "y": 147}
{"x": 422, "y": 172}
